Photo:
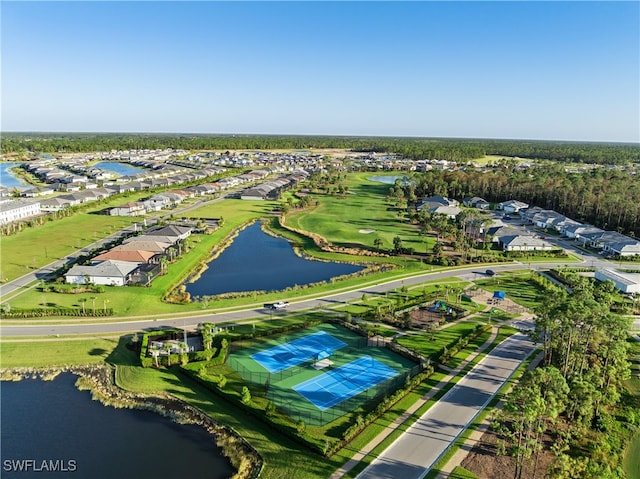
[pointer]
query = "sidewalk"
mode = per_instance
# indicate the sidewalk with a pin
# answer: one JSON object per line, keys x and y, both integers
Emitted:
{"x": 474, "y": 438}
{"x": 351, "y": 463}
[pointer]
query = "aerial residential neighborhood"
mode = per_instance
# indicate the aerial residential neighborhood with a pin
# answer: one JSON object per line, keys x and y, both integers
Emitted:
{"x": 320, "y": 240}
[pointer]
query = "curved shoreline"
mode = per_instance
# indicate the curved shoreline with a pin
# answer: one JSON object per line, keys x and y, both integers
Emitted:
{"x": 100, "y": 381}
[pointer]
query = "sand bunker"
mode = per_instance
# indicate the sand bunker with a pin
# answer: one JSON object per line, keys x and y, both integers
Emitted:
{"x": 366, "y": 232}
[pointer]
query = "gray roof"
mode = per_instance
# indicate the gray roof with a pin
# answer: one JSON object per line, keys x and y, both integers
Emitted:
{"x": 143, "y": 245}
{"x": 521, "y": 240}
{"x": 104, "y": 268}
{"x": 15, "y": 204}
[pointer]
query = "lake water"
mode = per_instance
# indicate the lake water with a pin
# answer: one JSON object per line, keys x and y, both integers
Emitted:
{"x": 7, "y": 179}
{"x": 256, "y": 261}
{"x": 386, "y": 179}
{"x": 123, "y": 169}
{"x": 54, "y": 421}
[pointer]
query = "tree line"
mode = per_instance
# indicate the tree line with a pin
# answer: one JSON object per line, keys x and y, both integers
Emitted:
{"x": 460, "y": 150}
{"x": 576, "y": 397}
{"x": 606, "y": 198}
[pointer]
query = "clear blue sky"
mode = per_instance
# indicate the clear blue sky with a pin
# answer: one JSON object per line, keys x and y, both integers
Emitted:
{"x": 541, "y": 70}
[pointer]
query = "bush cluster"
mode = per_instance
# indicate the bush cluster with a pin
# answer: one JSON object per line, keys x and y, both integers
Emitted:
{"x": 49, "y": 312}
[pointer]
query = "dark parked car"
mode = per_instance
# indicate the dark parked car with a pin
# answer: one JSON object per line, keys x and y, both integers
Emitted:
{"x": 490, "y": 272}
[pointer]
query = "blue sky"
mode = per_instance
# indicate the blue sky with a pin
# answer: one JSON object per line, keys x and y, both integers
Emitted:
{"x": 531, "y": 70}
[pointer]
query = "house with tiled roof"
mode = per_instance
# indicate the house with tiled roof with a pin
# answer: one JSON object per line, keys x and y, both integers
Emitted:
{"x": 129, "y": 256}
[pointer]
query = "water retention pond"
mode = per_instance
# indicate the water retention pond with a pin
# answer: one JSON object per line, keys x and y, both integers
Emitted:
{"x": 50, "y": 428}
{"x": 256, "y": 261}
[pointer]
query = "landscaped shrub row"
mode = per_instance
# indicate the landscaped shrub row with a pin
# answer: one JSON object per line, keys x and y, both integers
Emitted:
{"x": 281, "y": 423}
{"x": 48, "y": 312}
{"x": 459, "y": 344}
{"x": 387, "y": 402}
{"x": 556, "y": 253}
{"x": 287, "y": 426}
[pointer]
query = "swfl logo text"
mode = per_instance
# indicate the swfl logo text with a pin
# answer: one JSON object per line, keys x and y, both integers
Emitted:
{"x": 33, "y": 465}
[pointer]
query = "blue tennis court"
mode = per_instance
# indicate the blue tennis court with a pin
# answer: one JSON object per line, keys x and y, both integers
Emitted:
{"x": 340, "y": 384}
{"x": 290, "y": 354}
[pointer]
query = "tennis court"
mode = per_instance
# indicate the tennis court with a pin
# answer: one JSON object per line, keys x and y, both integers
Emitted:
{"x": 295, "y": 352}
{"x": 340, "y": 384}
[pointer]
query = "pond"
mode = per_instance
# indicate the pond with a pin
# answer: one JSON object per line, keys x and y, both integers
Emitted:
{"x": 256, "y": 261}
{"x": 388, "y": 179}
{"x": 7, "y": 179}
{"x": 54, "y": 422}
{"x": 121, "y": 169}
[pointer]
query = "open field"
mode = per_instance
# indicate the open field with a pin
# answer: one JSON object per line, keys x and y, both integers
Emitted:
{"x": 519, "y": 288}
{"x": 35, "y": 247}
{"x": 360, "y": 217}
{"x": 631, "y": 462}
{"x": 430, "y": 345}
{"x": 54, "y": 352}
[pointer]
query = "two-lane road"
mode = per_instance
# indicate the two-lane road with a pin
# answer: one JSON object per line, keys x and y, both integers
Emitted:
{"x": 416, "y": 451}
{"x": 45, "y": 327}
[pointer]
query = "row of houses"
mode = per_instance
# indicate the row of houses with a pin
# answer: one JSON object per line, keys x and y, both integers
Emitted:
{"x": 172, "y": 198}
{"x": 269, "y": 189}
{"x": 14, "y": 210}
{"x": 136, "y": 261}
{"x": 610, "y": 242}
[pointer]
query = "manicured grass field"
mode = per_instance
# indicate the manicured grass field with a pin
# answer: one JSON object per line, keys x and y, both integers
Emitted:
{"x": 631, "y": 462}
{"x": 519, "y": 288}
{"x": 461, "y": 473}
{"x": 38, "y": 246}
{"x": 428, "y": 347}
{"x": 55, "y": 352}
{"x": 359, "y": 217}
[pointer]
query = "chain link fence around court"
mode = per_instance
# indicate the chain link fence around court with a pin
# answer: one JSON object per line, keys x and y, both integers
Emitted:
{"x": 300, "y": 409}
{"x": 265, "y": 378}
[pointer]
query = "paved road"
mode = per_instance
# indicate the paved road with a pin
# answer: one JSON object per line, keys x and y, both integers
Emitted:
{"x": 415, "y": 452}
{"x": 46, "y": 328}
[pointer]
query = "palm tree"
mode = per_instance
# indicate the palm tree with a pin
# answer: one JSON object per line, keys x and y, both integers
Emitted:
{"x": 168, "y": 347}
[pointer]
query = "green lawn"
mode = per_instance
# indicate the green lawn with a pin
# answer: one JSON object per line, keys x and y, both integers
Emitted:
{"x": 519, "y": 288}
{"x": 461, "y": 473}
{"x": 55, "y": 352}
{"x": 431, "y": 347}
{"x": 631, "y": 462}
{"x": 35, "y": 247}
{"x": 359, "y": 217}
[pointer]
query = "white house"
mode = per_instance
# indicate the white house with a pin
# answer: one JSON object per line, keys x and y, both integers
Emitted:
{"x": 524, "y": 243}
{"x": 628, "y": 247}
{"x": 18, "y": 210}
{"x": 134, "y": 208}
{"x": 110, "y": 272}
{"x": 576, "y": 231}
{"x": 512, "y": 206}
{"x": 624, "y": 282}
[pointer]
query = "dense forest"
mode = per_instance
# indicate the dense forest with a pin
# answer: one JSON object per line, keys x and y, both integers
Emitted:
{"x": 460, "y": 150}
{"x": 606, "y": 198}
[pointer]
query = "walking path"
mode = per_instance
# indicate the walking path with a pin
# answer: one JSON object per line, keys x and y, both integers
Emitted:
{"x": 351, "y": 463}
{"x": 419, "y": 448}
{"x": 475, "y": 437}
